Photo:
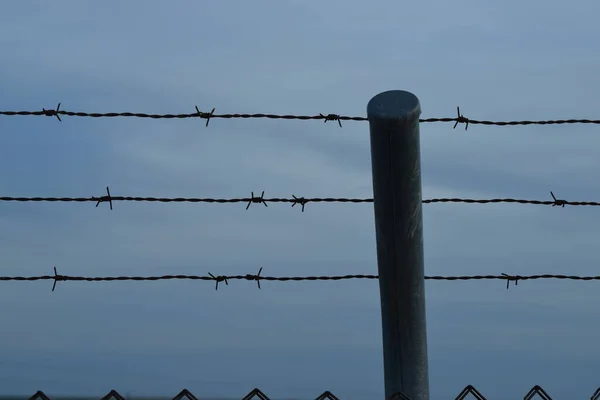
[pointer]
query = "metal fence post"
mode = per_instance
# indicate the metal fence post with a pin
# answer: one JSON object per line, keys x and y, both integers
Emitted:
{"x": 396, "y": 163}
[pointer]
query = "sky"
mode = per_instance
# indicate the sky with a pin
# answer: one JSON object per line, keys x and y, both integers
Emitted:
{"x": 505, "y": 60}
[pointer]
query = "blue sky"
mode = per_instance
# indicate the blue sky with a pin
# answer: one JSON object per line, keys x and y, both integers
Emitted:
{"x": 504, "y": 60}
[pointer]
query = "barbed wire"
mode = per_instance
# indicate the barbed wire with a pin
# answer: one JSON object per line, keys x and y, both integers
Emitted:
{"x": 327, "y": 395}
{"x": 459, "y": 119}
{"x": 258, "y": 278}
{"x": 294, "y": 200}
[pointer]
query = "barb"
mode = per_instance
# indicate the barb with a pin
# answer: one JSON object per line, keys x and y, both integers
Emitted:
{"x": 258, "y": 277}
{"x": 255, "y": 199}
{"x": 206, "y": 116}
{"x": 218, "y": 279}
{"x": 105, "y": 198}
{"x": 56, "y": 279}
{"x": 52, "y": 113}
{"x": 293, "y": 200}
{"x": 332, "y": 117}
{"x": 459, "y": 119}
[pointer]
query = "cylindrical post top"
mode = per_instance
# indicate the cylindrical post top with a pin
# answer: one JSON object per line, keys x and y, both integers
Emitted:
{"x": 395, "y": 105}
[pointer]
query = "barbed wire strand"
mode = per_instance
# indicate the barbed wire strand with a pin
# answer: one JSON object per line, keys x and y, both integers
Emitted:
{"x": 258, "y": 278}
{"x": 302, "y": 201}
{"x": 459, "y": 119}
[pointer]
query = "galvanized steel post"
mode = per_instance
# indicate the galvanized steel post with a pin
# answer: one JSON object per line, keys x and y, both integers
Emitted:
{"x": 396, "y": 165}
